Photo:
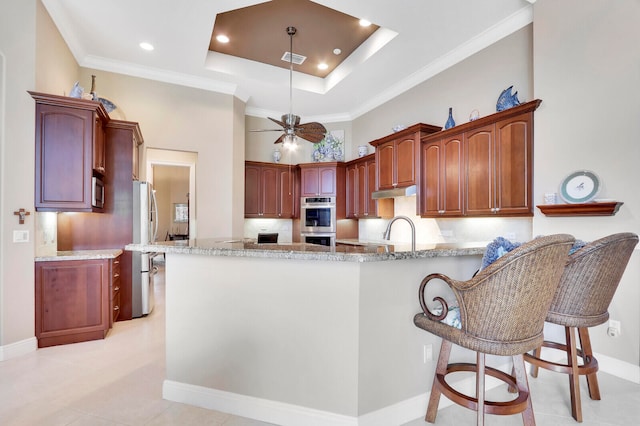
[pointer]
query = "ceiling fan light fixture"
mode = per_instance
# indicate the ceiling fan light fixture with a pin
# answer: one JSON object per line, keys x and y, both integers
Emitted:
{"x": 290, "y": 142}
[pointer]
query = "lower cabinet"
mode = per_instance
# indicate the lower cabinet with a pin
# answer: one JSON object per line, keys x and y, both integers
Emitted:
{"x": 74, "y": 300}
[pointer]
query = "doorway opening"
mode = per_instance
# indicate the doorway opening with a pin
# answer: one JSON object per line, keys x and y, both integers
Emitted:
{"x": 172, "y": 174}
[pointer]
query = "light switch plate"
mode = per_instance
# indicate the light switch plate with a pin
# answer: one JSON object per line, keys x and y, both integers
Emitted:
{"x": 20, "y": 236}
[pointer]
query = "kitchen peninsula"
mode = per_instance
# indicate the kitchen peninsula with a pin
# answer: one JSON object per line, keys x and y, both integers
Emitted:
{"x": 301, "y": 333}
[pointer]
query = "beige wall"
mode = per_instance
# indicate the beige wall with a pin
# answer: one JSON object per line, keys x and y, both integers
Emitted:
{"x": 185, "y": 119}
{"x": 587, "y": 72}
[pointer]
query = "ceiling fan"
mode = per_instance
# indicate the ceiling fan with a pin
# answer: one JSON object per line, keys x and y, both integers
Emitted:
{"x": 313, "y": 132}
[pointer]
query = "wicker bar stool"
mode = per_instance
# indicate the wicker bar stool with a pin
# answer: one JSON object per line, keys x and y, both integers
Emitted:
{"x": 590, "y": 279}
{"x": 502, "y": 312}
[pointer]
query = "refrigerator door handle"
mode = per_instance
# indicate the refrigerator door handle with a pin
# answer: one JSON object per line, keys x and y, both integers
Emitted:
{"x": 154, "y": 209}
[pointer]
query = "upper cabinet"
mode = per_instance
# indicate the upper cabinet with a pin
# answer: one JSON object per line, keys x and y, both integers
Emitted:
{"x": 398, "y": 156}
{"x": 360, "y": 183}
{"x": 442, "y": 177}
{"x": 269, "y": 190}
{"x": 69, "y": 151}
{"x": 481, "y": 168}
{"x": 321, "y": 179}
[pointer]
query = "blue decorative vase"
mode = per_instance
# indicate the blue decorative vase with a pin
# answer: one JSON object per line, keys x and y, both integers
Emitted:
{"x": 450, "y": 122}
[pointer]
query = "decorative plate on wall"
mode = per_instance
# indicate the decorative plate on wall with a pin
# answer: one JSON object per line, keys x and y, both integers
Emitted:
{"x": 580, "y": 187}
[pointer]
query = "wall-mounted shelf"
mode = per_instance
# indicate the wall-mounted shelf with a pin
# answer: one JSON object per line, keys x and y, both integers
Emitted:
{"x": 584, "y": 209}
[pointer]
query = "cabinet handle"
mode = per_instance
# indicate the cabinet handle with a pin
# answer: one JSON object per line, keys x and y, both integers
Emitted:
{"x": 116, "y": 276}
{"x": 440, "y": 211}
{"x": 116, "y": 289}
{"x": 116, "y": 262}
{"x": 100, "y": 169}
{"x": 116, "y": 308}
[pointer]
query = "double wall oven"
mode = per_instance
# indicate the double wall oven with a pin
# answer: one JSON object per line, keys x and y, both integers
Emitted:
{"x": 318, "y": 224}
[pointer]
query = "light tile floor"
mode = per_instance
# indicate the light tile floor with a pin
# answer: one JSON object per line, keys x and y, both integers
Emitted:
{"x": 118, "y": 381}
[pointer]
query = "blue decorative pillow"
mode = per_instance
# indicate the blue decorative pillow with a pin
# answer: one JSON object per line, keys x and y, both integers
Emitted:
{"x": 496, "y": 249}
{"x": 577, "y": 245}
{"x": 452, "y": 318}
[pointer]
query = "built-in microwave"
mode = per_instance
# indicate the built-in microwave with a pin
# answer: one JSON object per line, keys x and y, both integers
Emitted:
{"x": 97, "y": 193}
{"x": 318, "y": 215}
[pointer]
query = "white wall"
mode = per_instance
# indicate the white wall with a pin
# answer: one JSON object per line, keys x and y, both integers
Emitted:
{"x": 587, "y": 72}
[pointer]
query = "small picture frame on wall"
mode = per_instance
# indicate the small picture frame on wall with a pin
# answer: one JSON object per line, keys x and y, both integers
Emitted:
{"x": 180, "y": 212}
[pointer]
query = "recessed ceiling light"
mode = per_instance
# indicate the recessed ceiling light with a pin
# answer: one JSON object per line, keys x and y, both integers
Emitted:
{"x": 222, "y": 38}
{"x": 364, "y": 23}
{"x": 322, "y": 66}
{"x": 146, "y": 46}
{"x": 337, "y": 51}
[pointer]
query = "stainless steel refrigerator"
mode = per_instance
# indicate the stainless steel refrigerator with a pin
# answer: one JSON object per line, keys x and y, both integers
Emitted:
{"x": 145, "y": 231}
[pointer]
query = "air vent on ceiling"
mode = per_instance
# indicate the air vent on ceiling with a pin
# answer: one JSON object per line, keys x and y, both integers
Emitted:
{"x": 293, "y": 57}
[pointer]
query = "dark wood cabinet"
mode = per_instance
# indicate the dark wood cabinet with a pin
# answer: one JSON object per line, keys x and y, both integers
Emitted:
{"x": 69, "y": 152}
{"x": 442, "y": 177}
{"x": 480, "y": 168}
{"x": 360, "y": 183}
{"x": 114, "y": 228}
{"x": 73, "y": 301}
{"x": 325, "y": 180}
{"x": 398, "y": 156}
{"x": 269, "y": 190}
{"x": 320, "y": 179}
{"x": 116, "y": 282}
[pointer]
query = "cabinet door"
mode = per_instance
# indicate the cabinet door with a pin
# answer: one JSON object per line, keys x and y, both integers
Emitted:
{"x": 405, "y": 169}
{"x": 431, "y": 175}
{"x": 385, "y": 157}
{"x": 99, "y": 146}
{"x": 72, "y": 301}
{"x": 513, "y": 165}
{"x": 352, "y": 191}
{"x": 442, "y": 178}
{"x": 269, "y": 192}
{"x": 371, "y": 204}
{"x": 327, "y": 180}
{"x": 286, "y": 180}
{"x": 480, "y": 193}
{"x": 252, "y": 190}
{"x": 362, "y": 208}
{"x": 310, "y": 182}
{"x": 451, "y": 176}
{"x": 63, "y": 158}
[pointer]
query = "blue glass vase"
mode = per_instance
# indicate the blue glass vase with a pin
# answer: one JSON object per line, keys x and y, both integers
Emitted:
{"x": 450, "y": 122}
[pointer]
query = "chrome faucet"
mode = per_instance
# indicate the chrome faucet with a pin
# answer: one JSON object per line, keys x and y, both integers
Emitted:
{"x": 387, "y": 233}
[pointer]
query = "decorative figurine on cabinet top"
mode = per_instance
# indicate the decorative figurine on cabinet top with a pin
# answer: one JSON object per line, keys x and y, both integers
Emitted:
{"x": 450, "y": 121}
{"x": 507, "y": 100}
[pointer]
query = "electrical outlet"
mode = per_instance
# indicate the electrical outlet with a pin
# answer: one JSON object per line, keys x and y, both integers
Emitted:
{"x": 20, "y": 236}
{"x": 614, "y": 329}
{"x": 427, "y": 353}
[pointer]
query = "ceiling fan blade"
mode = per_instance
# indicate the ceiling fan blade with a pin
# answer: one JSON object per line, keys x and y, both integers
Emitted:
{"x": 313, "y": 127}
{"x": 311, "y": 137}
{"x": 280, "y": 123}
{"x": 313, "y": 132}
{"x": 280, "y": 139}
{"x": 266, "y": 130}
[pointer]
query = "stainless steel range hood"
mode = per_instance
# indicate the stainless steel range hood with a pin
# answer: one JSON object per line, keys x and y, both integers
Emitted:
{"x": 393, "y": 193}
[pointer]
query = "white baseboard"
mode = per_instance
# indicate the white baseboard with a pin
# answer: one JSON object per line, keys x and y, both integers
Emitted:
{"x": 621, "y": 369}
{"x": 396, "y": 414}
{"x": 255, "y": 408}
{"x": 17, "y": 349}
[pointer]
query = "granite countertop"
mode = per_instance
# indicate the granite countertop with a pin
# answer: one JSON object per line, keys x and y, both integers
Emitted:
{"x": 344, "y": 251}
{"x": 80, "y": 255}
